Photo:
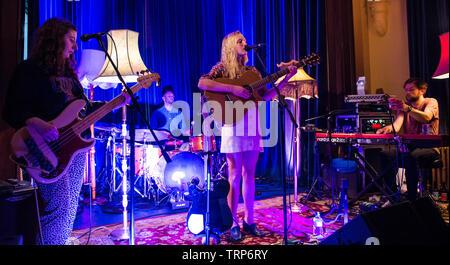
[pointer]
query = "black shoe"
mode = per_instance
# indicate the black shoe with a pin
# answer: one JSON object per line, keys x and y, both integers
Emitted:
{"x": 252, "y": 229}
{"x": 235, "y": 233}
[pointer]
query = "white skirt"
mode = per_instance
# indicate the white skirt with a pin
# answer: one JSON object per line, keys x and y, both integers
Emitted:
{"x": 243, "y": 136}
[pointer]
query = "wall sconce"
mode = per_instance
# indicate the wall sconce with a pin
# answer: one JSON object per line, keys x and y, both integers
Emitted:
{"x": 378, "y": 13}
{"x": 442, "y": 69}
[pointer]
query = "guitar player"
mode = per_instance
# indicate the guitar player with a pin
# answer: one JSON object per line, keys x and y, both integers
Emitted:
{"x": 417, "y": 115}
{"x": 39, "y": 90}
{"x": 242, "y": 148}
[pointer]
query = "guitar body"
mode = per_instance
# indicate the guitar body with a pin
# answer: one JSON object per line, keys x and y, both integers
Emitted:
{"x": 47, "y": 162}
{"x": 226, "y": 100}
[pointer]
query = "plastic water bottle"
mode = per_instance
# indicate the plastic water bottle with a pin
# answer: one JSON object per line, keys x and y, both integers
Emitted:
{"x": 318, "y": 226}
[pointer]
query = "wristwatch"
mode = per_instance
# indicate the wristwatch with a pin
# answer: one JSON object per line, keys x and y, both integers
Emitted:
{"x": 409, "y": 109}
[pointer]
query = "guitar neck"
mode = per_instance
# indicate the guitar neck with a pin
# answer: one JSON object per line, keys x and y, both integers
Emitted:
{"x": 85, "y": 123}
{"x": 273, "y": 77}
{"x": 309, "y": 60}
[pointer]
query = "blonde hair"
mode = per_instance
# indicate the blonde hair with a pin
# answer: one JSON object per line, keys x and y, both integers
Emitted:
{"x": 232, "y": 62}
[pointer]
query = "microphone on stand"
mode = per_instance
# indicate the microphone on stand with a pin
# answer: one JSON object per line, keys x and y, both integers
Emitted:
{"x": 253, "y": 47}
{"x": 86, "y": 37}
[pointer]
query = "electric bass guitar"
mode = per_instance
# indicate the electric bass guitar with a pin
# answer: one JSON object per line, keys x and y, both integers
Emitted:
{"x": 47, "y": 162}
{"x": 225, "y": 111}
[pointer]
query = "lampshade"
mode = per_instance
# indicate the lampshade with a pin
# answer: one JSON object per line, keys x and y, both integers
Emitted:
{"x": 91, "y": 63}
{"x": 300, "y": 85}
{"x": 124, "y": 52}
{"x": 442, "y": 69}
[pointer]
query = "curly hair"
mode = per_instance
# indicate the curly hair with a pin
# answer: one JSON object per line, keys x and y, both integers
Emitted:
{"x": 231, "y": 61}
{"x": 49, "y": 45}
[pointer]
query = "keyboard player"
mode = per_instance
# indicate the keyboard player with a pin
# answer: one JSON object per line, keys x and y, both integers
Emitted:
{"x": 417, "y": 115}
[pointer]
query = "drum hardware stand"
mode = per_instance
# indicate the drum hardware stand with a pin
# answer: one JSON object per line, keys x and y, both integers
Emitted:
{"x": 104, "y": 171}
{"x": 146, "y": 179}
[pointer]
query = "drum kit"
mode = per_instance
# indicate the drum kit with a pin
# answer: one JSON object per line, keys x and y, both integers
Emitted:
{"x": 154, "y": 178}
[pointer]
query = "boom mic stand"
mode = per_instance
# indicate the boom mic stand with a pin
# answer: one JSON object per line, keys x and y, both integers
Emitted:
{"x": 282, "y": 106}
{"x": 207, "y": 175}
{"x": 135, "y": 106}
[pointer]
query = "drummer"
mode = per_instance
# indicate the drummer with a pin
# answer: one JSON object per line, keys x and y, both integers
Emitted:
{"x": 162, "y": 117}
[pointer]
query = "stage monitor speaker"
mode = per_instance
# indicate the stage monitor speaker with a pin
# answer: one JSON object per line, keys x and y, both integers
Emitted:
{"x": 18, "y": 219}
{"x": 419, "y": 223}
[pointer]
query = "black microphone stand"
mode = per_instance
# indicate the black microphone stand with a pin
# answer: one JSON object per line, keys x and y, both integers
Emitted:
{"x": 135, "y": 106}
{"x": 282, "y": 106}
{"x": 329, "y": 117}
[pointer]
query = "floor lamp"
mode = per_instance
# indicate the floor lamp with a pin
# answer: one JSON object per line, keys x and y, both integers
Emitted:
{"x": 301, "y": 85}
{"x": 123, "y": 49}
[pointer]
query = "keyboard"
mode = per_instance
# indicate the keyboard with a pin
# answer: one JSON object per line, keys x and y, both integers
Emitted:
{"x": 418, "y": 140}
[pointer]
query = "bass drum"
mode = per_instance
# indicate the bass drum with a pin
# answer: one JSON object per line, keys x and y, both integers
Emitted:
{"x": 178, "y": 174}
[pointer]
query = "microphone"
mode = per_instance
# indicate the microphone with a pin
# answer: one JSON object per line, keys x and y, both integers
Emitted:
{"x": 195, "y": 181}
{"x": 248, "y": 48}
{"x": 86, "y": 37}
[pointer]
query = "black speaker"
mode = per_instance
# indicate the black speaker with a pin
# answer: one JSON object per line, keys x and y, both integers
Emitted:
{"x": 418, "y": 223}
{"x": 18, "y": 219}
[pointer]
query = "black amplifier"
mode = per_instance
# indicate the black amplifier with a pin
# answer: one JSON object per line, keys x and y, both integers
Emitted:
{"x": 370, "y": 124}
{"x": 371, "y": 108}
{"x": 361, "y": 123}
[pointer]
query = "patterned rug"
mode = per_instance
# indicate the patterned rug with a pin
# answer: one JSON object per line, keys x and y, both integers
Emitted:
{"x": 172, "y": 229}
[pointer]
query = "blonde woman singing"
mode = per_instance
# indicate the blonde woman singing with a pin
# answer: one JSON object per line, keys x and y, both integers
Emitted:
{"x": 242, "y": 141}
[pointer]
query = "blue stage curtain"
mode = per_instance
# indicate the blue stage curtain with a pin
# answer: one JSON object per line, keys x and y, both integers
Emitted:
{"x": 181, "y": 39}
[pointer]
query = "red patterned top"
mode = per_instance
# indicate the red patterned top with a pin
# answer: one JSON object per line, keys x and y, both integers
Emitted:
{"x": 218, "y": 71}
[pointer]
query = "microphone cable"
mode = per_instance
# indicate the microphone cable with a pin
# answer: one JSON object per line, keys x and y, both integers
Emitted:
{"x": 37, "y": 212}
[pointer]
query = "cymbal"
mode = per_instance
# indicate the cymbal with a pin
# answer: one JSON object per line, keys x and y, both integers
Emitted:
{"x": 108, "y": 128}
{"x": 144, "y": 135}
{"x": 141, "y": 135}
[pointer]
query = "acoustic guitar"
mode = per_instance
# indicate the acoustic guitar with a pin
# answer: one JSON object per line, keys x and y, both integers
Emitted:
{"x": 228, "y": 108}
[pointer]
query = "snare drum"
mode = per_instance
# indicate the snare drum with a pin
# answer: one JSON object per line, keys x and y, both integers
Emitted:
{"x": 200, "y": 143}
